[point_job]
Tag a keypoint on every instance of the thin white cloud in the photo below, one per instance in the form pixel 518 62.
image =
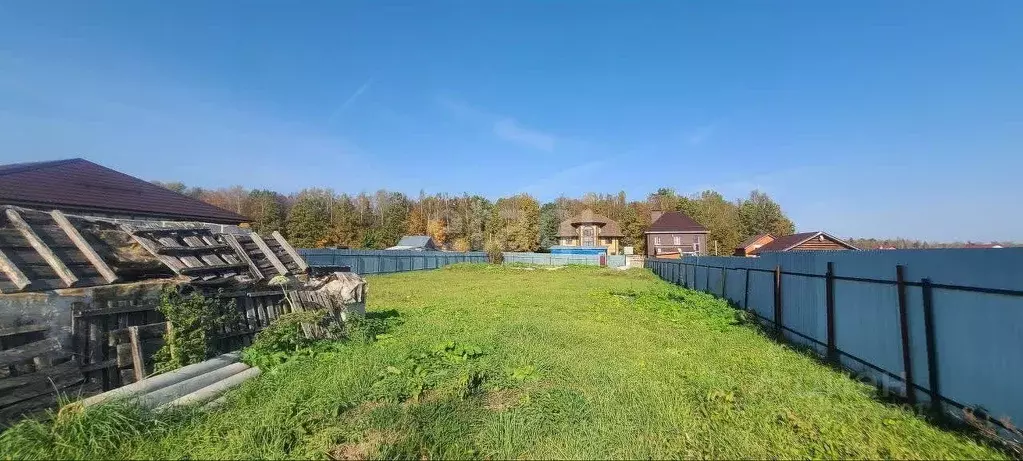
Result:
pixel 577 176
pixel 510 130
pixel 503 127
pixel 351 99
pixel 701 134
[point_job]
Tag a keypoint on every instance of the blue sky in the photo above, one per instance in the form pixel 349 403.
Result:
pixel 866 118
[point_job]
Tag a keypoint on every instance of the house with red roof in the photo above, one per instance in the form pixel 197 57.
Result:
pixel 805 241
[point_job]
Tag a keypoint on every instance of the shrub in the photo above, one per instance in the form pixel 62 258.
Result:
pixel 461 244
pixel 494 249
pixel 194 321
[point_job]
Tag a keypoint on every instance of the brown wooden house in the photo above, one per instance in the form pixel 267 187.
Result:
pixel 752 244
pixel 806 241
pixel 673 233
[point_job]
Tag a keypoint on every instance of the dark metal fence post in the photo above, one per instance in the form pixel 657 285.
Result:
pixel 777 302
pixel 706 279
pixel 907 356
pixel 724 283
pixel 932 352
pixel 829 289
pixel 745 296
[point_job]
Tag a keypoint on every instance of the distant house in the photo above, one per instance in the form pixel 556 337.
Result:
pixel 806 241
pixel 81 187
pixel 982 245
pixel 590 230
pixel 753 243
pixel 415 243
pixel 673 233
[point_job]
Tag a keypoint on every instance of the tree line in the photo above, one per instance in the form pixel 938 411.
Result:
pixel 315 217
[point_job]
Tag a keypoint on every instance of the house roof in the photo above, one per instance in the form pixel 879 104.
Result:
pixel 675 221
pixel 80 185
pixel 787 242
pixel 608 227
pixel 415 241
pixel 750 241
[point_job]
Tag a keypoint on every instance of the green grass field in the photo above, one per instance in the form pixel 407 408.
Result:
pixel 513 362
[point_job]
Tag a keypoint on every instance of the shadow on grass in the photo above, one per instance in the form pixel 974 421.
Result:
pixel 975 423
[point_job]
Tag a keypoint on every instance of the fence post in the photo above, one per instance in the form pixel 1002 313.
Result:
pixel 706 279
pixel 829 290
pixel 724 283
pixel 777 302
pixel 907 356
pixel 932 351
pixel 745 296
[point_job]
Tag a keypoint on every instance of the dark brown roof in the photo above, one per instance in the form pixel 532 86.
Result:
pixel 608 227
pixel 77 185
pixel 786 242
pixel 674 221
pixel 752 240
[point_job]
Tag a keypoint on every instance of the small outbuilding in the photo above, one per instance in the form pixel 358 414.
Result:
pixel 415 243
pixel 752 244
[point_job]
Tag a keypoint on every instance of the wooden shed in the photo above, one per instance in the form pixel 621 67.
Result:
pixel 78 309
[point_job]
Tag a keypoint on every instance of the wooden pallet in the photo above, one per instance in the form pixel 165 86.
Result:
pixel 43 251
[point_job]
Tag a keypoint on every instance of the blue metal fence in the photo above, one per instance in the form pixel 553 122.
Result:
pixel 947 322
pixel 561 259
pixel 387 261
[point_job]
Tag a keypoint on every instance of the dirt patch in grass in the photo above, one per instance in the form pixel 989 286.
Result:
pixel 367 448
pixel 502 400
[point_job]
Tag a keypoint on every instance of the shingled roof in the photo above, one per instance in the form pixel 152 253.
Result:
pixel 787 242
pixel 674 221
pixel 79 185
pixel 608 227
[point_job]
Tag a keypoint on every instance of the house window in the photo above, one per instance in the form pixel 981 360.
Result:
pixel 696 245
pixel 657 240
pixel 678 240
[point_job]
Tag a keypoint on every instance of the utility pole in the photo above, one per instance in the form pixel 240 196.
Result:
pixel 715 248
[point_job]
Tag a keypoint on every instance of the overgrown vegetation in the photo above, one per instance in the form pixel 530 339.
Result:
pixel 194 321
pixel 496 362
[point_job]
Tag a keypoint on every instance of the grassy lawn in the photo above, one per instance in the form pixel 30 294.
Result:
pixel 506 362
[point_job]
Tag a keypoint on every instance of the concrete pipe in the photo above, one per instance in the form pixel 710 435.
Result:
pixel 163 380
pixel 214 390
pixel 161 396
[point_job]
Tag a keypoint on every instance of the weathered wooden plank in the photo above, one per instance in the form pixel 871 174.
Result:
pixel 84 246
pixel 22 329
pixel 13 272
pixel 169 250
pixel 52 235
pixel 269 254
pixel 173 263
pixel 188 260
pixel 171 230
pixel 61 371
pixel 290 251
pixel 243 256
pixel 152 330
pixel 99 365
pixel 138 364
pixel 58 266
pixel 28 351
pixel 216 268
pixel 117 310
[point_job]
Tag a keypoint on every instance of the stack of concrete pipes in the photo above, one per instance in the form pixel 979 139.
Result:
pixel 203 382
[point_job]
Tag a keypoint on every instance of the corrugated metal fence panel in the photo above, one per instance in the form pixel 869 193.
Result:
pixel 387 261
pixel 548 259
pixel 616 260
pixel 977 334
